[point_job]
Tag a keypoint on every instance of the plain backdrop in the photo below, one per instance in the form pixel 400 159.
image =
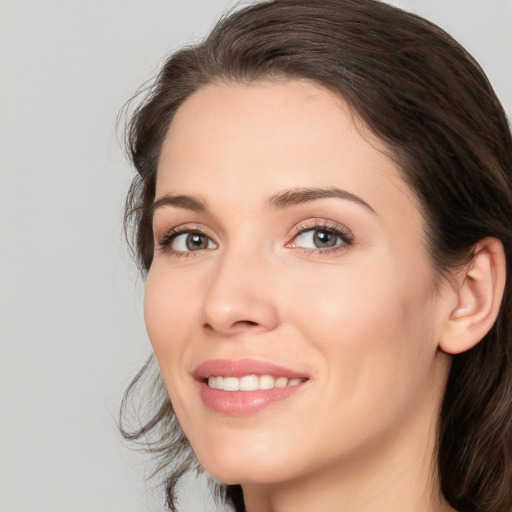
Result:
pixel 71 325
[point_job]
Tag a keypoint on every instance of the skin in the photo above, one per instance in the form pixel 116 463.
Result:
pixel 363 320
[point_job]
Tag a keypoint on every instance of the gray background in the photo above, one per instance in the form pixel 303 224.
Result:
pixel 71 322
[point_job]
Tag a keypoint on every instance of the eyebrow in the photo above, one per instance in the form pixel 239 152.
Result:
pixel 180 201
pixel 295 196
pixel 283 199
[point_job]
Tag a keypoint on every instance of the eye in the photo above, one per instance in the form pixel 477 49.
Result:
pixel 184 241
pixel 316 238
pixel 191 241
pixel 321 238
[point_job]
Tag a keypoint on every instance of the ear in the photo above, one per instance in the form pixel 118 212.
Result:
pixel 478 295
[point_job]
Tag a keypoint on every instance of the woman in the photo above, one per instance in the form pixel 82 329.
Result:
pixel 322 209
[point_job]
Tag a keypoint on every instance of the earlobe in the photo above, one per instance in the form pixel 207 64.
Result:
pixel 479 292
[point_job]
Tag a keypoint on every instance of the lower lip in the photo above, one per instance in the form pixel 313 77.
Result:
pixel 243 403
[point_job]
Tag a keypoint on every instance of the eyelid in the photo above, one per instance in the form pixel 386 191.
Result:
pixel 320 224
pixel 164 240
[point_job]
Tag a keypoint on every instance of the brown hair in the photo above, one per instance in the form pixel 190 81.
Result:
pixel 426 98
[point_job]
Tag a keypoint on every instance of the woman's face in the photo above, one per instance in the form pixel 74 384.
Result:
pixel 290 261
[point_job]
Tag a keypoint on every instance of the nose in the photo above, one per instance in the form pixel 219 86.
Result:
pixel 240 297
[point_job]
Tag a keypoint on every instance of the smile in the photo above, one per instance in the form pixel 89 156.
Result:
pixel 251 382
pixel 246 386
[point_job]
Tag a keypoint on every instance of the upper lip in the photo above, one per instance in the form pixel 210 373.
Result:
pixel 241 367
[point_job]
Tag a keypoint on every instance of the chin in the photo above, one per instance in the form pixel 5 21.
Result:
pixel 250 464
pixel 247 474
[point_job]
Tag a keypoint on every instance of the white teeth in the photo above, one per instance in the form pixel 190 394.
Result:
pixel 267 382
pixel 282 382
pixel 231 384
pixel 251 382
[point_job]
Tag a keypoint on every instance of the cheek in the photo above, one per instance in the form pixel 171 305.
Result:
pixel 168 310
pixel 156 310
pixel 372 326
pixel 371 337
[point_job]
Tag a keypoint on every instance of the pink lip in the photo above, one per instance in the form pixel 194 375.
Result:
pixel 241 367
pixel 242 403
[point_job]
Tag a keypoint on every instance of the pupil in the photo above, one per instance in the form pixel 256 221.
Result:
pixel 324 239
pixel 196 241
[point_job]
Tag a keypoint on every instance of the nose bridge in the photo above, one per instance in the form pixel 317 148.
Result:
pixel 238 297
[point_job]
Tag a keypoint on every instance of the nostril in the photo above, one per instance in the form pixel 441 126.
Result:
pixel 208 327
pixel 245 323
pixel 238 326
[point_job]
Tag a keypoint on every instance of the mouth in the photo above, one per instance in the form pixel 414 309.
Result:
pixel 244 387
pixel 251 382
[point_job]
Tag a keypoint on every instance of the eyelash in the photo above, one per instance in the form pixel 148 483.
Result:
pixel 166 240
pixel 344 234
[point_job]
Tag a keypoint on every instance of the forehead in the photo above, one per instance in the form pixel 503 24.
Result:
pixel 234 140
